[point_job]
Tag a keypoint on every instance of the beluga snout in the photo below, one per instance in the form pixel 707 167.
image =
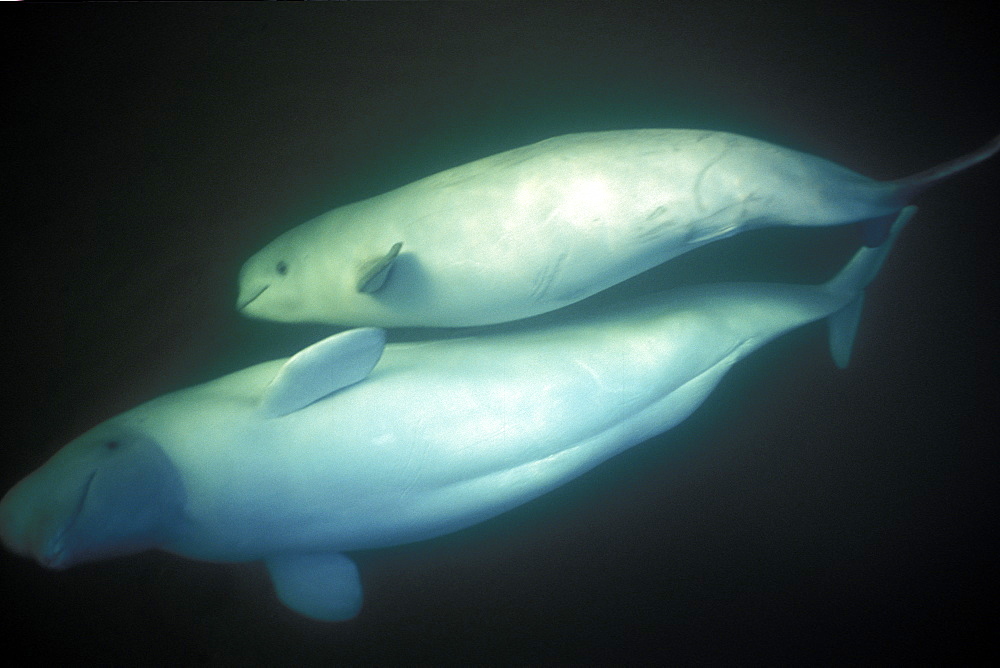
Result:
pixel 98 497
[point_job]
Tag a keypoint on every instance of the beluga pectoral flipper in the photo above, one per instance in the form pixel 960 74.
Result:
pixel 539 227
pixel 373 274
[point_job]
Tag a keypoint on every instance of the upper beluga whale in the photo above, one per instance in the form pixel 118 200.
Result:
pixel 539 227
pixel 354 444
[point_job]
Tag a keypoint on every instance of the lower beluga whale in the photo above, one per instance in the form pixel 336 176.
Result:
pixel 354 444
pixel 539 227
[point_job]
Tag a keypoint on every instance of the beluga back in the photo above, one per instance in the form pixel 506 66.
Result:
pixel 540 227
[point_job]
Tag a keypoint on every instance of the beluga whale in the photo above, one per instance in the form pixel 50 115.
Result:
pixel 540 227
pixel 355 444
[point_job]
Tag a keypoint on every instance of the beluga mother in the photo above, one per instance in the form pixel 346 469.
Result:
pixel 540 227
pixel 353 444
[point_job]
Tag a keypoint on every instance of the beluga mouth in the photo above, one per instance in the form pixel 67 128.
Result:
pixel 242 305
pixel 54 554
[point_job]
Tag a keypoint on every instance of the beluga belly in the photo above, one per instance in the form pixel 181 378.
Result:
pixel 539 227
pixel 354 444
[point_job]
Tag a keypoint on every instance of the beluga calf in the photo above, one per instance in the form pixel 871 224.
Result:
pixel 353 444
pixel 539 227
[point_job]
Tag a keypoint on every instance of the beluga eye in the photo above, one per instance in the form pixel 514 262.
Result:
pixel 281 267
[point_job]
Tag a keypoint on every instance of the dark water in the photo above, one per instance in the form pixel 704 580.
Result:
pixel 802 515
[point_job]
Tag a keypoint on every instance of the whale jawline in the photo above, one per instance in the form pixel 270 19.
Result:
pixel 240 307
pixel 54 555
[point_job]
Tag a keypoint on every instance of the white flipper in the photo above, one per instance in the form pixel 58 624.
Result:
pixel 374 273
pixel 324 367
pixel 324 586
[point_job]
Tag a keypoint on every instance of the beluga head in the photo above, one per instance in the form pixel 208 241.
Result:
pixel 273 283
pixel 111 492
pixel 300 277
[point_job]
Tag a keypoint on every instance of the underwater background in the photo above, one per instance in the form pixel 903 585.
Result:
pixel 801 515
